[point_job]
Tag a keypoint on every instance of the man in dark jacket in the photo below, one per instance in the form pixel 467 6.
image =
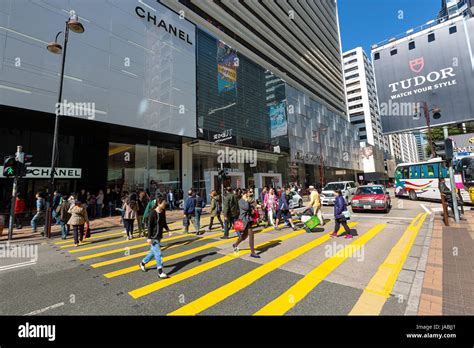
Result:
pixel 340 207
pixel 156 225
pixel 64 216
pixel 230 210
pixel 284 209
pixel 189 211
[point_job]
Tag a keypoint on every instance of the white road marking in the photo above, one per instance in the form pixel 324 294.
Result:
pixel 17 265
pixel 388 217
pixel 46 309
pixel 426 209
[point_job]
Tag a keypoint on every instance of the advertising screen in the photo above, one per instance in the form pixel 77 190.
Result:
pixel 435 67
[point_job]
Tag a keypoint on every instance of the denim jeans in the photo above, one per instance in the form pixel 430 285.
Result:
pixel 55 215
pixel 197 218
pixel 111 208
pixel 98 212
pixel 155 252
pixel 64 229
pixel 34 220
pixel 227 223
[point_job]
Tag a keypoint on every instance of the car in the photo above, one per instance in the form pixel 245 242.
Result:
pixel 296 201
pixel 371 197
pixel 328 194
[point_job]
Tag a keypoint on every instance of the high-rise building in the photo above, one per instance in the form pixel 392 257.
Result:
pixel 361 97
pixel 420 146
pixel 451 8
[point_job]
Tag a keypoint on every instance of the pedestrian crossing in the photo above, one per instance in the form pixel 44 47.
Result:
pixel 118 261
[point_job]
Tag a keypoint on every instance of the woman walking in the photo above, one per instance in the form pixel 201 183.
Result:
pixel 270 204
pixel 246 217
pixel 78 218
pixel 130 210
pixel 339 207
pixel 216 208
pixel 156 225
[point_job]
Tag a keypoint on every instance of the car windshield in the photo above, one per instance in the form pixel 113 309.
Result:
pixel 369 191
pixel 334 187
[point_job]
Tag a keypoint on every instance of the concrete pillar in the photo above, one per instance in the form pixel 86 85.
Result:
pixel 187 167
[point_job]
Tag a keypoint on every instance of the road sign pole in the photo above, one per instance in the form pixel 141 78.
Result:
pixel 452 183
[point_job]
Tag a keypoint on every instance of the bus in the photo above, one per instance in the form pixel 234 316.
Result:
pixel 420 180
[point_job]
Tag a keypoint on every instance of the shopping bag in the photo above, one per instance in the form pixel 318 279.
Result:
pixel 87 233
pixel 305 218
pixel 312 222
pixel 239 225
pixel 346 214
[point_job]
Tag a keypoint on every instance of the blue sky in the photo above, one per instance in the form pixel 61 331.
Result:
pixel 365 22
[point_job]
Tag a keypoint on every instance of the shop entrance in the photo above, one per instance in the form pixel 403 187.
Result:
pixel 235 180
pixel 267 179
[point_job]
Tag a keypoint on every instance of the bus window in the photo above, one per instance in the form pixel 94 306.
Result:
pixel 414 172
pixel 443 171
pixel 432 170
pixel 405 172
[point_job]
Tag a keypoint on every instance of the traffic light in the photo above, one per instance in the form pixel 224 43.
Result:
pixel 222 175
pixel 444 149
pixel 9 167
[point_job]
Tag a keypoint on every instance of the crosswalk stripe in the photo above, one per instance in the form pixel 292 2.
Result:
pixel 176 256
pixel 304 286
pixel 93 237
pixel 133 256
pixel 380 286
pixel 71 243
pixel 126 241
pixel 153 287
pixel 240 283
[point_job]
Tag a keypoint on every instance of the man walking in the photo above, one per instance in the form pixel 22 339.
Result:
pixel 189 211
pixel 170 199
pixel 315 204
pixel 284 209
pixel 40 212
pixel 230 210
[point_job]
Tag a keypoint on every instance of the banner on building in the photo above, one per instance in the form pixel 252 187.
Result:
pixel 435 67
pixel 227 64
pixel 278 121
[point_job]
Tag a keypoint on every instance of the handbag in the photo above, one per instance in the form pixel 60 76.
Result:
pixel 87 234
pixel 239 225
pixel 185 222
pixel 346 214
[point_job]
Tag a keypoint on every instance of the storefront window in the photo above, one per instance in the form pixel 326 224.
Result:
pixel 143 167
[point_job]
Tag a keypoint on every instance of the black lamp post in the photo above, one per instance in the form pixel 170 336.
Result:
pixel 54 47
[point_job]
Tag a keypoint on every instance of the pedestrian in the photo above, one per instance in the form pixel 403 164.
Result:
pixel 20 208
pixel 99 204
pixel 284 209
pixel 200 204
pixel 56 201
pixel 142 204
pixel 315 204
pixel 130 210
pixel 270 204
pixel 245 209
pixel 156 225
pixel 339 207
pixel 40 212
pixel 230 211
pixel 261 200
pixel 109 201
pixel 77 220
pixel 189 212
pixel 82 197
pixel 91 205
pixel 216 208
pixel 170 199
pixel 64 216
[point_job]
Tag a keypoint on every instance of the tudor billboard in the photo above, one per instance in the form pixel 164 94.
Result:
pixel 435 67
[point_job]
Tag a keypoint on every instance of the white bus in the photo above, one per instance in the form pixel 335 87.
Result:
pixel 420 180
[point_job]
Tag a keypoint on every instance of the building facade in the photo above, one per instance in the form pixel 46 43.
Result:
pixel 168 97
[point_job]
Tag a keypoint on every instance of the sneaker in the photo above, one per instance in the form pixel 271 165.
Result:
pixel 162 274
pixel 349 236
pixel 294 228
pixel 76 244
pixel 142 267
pixel 255 256
pixel 225 237
pixel 236 249
pixel 334 234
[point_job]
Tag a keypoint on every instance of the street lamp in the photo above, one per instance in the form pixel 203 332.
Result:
pixel 436 115
pixel 74 25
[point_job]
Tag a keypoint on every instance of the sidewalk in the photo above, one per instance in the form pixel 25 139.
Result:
pixel 97 226
pixel 448 286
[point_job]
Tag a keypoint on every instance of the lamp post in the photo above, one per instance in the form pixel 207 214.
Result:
pixel 436 115
pixel 54 47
